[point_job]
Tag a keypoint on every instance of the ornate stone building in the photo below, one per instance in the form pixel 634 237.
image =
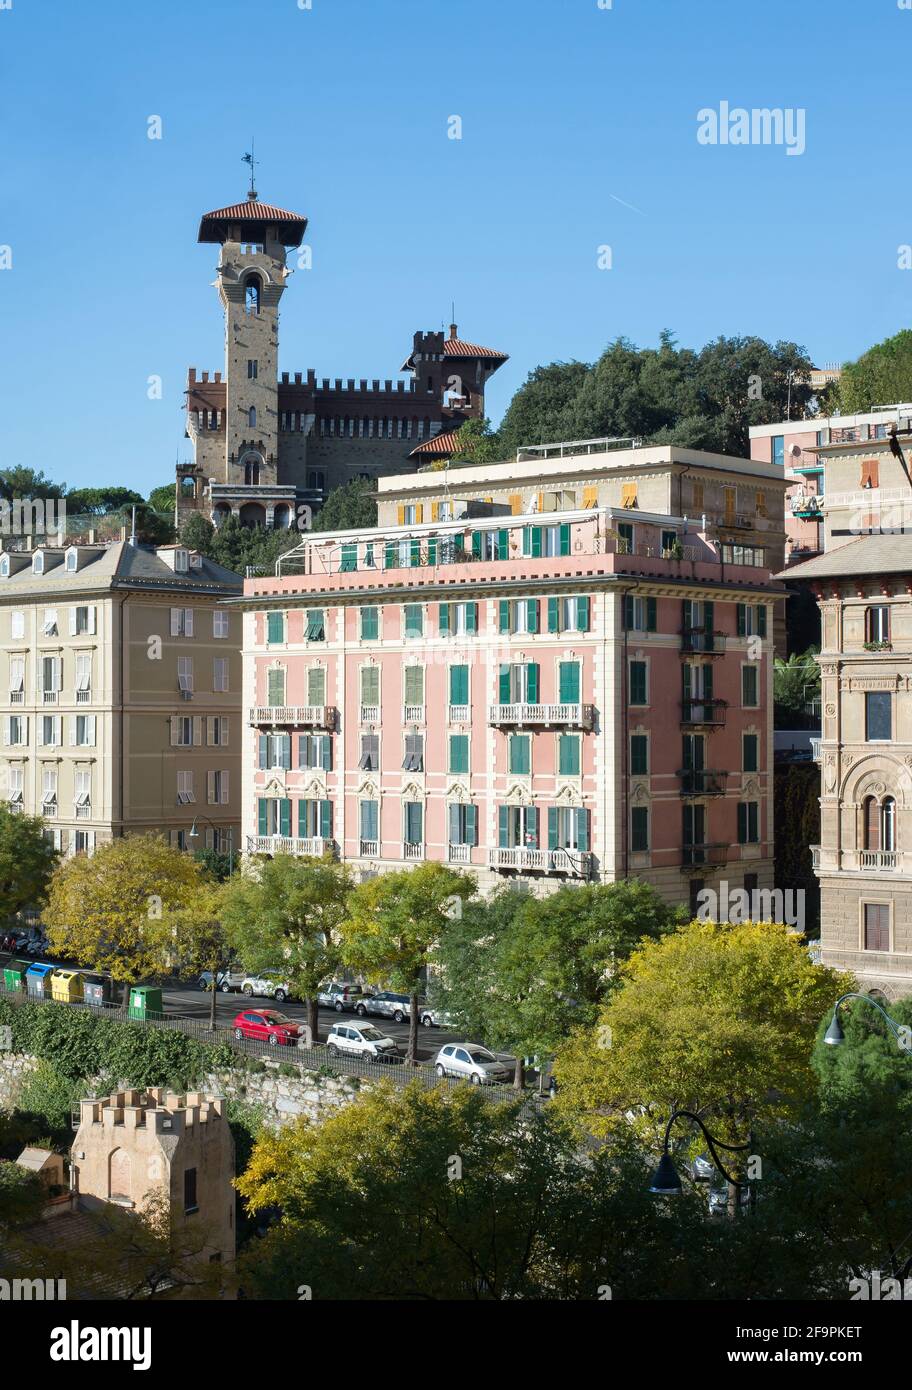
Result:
pixel 264 444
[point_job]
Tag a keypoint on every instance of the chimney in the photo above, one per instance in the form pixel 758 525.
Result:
pixel 454 332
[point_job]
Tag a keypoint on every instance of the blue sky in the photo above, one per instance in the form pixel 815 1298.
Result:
pixel 569 112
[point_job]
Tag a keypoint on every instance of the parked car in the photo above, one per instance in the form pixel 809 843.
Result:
pixel 339 995
pixel 472 1062
pixel 385 1004
pixel 429 1017
pixel 362 1040
pixel 226 981
pixel 268 984
pixel 265 1025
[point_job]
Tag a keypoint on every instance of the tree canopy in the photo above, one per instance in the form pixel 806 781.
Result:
pixel 27 861
pixel 348 507
pixel 880 376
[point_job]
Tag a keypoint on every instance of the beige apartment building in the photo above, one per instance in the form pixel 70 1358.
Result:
pixel 864 860
pixel 120 688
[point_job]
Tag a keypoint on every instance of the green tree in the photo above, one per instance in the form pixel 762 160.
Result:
pixel 22 1195
pixel 161 499
pixel 880 376
pixel 477 443
pixel 796 685
pixel 348 507
pixel 27 861
pixel 539 412
pixel 198 533
pixel 287 912
pixel 714 1018
pixel 19 482
pixel 395 924
pixel 193 934
pixel 99 501
pixel 235 546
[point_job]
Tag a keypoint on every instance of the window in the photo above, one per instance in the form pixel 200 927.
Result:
pixel 519 615
pixel 16 785
pixel 491 545
pixel 217 788
pixel 568 682
pixel 639 755
pixel 414 620
pixel 457 619
pixel 625 538
pixel 568 614
pixel 778 447
pixel 568 755
pixel 315 628
pixel 878 716
pixel 49 623
pixel 459 686
pixel 750 555
pixel 51 672
pixel 49 787
pixel 568 828
pixel 185 673
pixel 251 473
pixel 413 686
pixel 519 684
pixel 749 753
pixel 274 751
pixel 370 759
pixel 520 754
pixel 16 729
pixel 190 1202
pixel 870 474
pixel 348 558
pixel 251 418
pixel 252 294
pixel 459 753
pixel 370 687
pixel 369 821
pixel 463 827
pixel 17 624
pixel 185 795
pixel 275 686
pixel 639 828
pixel 315 752
pixel 316 686
pixel 639 613
pixel 413 822
pixel 82 731
pixel 183 731
pixel 539 541
pixel 517 827
pixel 413 758
pixel 669 540
pixel 38 562
pixel 876 926
pixel 750 687
pixel 252 368
pixel 370 624
pixel 275 628
pixel 751 619
pixel 217 731
pixel 888 824
pixel 273 816
pixel 638 683
pixel 748 822
pixel 181 622
pixel 51 730
pixel 219 623
pixel 82 621
pixel 220 673
pixel 17 675
pixel 877 624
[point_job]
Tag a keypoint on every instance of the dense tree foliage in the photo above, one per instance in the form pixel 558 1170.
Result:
pixel 880 376
pixel 27 861
pixel 236 546
pixel 348 507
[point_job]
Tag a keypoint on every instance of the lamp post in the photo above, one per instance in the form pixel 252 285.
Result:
pixel 194 835
pixel 834 1035
pixel 666 1181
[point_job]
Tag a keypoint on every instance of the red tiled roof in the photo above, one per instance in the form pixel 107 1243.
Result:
pixel 252 210
pixel 441 446
pixel 455 347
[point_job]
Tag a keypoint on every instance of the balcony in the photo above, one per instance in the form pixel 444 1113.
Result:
pixel 696 857
pixel 306 716
pixel 878 860
pixel 459 854
pixel 858 861
pixel 313 846
pixel 411 850
pixel 698 640
pixel 702 782
pixel 568 716
pixel 370 714
pixel 460 714
pixel 49 697
pixel 573 862
pixel 413 714
pixel 83 697
pixel 17 697
pixel 369 849
pixel 703 713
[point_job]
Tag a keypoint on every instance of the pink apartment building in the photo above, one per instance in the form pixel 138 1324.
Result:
pixel 541 670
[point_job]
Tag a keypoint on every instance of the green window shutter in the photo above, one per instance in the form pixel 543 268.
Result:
pixel 536 542
pixel 454 825
pixel 284 816
pixel 504 685
pixel 370 624
pixel 639 828
pixel 519 754
pixel 742 822
pixel 742 619
pixel 650 614
pixel 459 753
pixel 275 627
pixel 582 830
pixel 471 825
pixel 391 556
pixel 532 687
pixel 443 619
pixel 262 817
pixel 532 610
pixel 326 820
pixel 504 611
pixel 415 553
pixel 761 620
pixel 638 682
pixel 565 538
pixel 554 615
pixel 709 615
pixel 750 753
pixel 639 755
pixel 569 683
pixel 349 559
pixel 370 685
pixel 262 760
pixel 628 611
pixel 687 680
pixel 414 685
pixel 459 685
pixel 527 540
pixel 471 617
pixel 503 826
pixel 275 686
pixel 552 827
pixel 503 544
pixel 582 613
pixel 414 620
pixel 477 551
pixel 316 625
pixel 432 550
pixel 326 752
pixel 707 681
pixel 285 751
pixel 532 826
pixel 368 816
pixel 568 758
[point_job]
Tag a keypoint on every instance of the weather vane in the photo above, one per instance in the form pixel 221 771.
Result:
pixel 253 162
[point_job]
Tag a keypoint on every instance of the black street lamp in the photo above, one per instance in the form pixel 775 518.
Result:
pixel 666 1181
pixel 194 834
pixel 834 1035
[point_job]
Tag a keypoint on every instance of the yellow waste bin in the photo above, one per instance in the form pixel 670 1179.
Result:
pixel 66 986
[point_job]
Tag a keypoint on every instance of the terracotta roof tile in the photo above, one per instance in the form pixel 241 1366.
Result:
pixel 440 446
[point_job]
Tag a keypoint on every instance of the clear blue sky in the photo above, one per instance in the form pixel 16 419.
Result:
pixel 567 109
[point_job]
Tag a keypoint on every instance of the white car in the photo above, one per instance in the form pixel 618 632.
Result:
pixel 429 1017
pixel 269 984
pixel 361 1040
pixel 473 1063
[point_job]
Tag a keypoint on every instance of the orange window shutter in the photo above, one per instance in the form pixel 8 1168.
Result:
pixel 435 511
pixel 590 497
pixel 729 502
pixel 400 514
pixel 629 495
pixel 541 501
pixel 515 503
pixel 698 496
pixel 419 512
pixel 761 504
pixel 869 473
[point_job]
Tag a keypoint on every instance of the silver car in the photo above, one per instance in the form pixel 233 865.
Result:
pixel 268 984
pixel 339 995
pixel 473 1063
pixel 429 1017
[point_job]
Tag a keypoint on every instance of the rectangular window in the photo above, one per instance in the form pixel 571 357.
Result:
pixel 370 686
pixel 639 613
pixel 370 624
pixel 568 828
pixel 413 759
pixel 369 760
pixel 315 625
pixel 275 628
pixel 369 821
pixel 181 622
pixel 569 683
pixel 17 676
pixel 876 927
pixel 316 686
pixel 625 538
pixel 749 753
pixel 252 368
pixel 638 683
pixel 750 687
pixel 220 673
pixel 748 822
pixel 878 716
pixel 348 560
pixel 751 619
pixel 413 685
pixel 778 443
pixel 519 615
pixel 568 614
pixel 17 624
pixel 82 621
pixel 185 793
pixel 51 730
pixel 49 624
pixel 459 686
pixel 82 731
pixel 639 755
pixel 568 755
pixel 877 624
pixel 314 819
pixel 457 619
pixel 463 827
pixel 519 684
pixel 413 822
pixel 517 827
pixel 459 753
pixel 217 788
pixel 315 752
pixel 639 828
pixel 521 754
pixel 414 620
pixel 217 731
pixel 190 1202
pixel 275 686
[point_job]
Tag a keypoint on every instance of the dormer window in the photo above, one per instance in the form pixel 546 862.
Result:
pixel 38 562
pixel 181 561
pixel 4 566
pixel 72 561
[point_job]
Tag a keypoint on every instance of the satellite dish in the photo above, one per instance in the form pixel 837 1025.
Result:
pixel 795 451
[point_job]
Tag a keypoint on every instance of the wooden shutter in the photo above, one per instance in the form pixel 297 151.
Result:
pixel 515 500
pixel 870 473
pixel 629 495
pixel 871 823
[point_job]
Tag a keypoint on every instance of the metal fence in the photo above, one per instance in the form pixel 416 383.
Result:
pixel 317 1058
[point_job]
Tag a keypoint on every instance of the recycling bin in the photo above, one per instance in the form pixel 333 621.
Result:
pixel 145 1002
pixel 14 975
pixel 38 980
pixel 96 990
pixel 66 986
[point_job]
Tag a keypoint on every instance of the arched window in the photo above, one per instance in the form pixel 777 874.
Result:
pixel 252 294
pixel 251 473
pixel 251 417
pixel 871 823
pixel 888 824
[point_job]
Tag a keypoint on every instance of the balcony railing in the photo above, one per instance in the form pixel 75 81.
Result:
pixel 699 640
pixel 17 697
pixel 880 860
pixel 702 782
pixel 460 854
pixel 576 863
pixel 704 712
pixel 858 861
pixel 460 714
pixel 815 749
pixel 49 697
pixel 369 849
pixel 83 697
pixel 412 851
pixel 704 856
pixel 413 714
pixel 84 812
pixel 313 846
pixel 573 716
pixel 313 716
pixel 370 714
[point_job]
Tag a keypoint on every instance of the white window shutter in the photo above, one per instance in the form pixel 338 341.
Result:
pixel 210 729
pixel 188 621
pixel 175 621
pixel 6 730
pixel 91 618
pixel 210 787
pixel 197 729
pixel 174 727
pixel 90 730
pixel 72 622
pixel 223 738
pixel 224 788
pixel 73 719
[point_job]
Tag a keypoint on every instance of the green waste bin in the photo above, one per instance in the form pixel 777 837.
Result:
pixel 145 1002
pixel 14 975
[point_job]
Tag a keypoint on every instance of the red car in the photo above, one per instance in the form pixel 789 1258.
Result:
pixel 265 1025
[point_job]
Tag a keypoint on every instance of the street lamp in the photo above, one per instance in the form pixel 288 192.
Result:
pixel 194 835
pixel 834 1035
pixel 666 1181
